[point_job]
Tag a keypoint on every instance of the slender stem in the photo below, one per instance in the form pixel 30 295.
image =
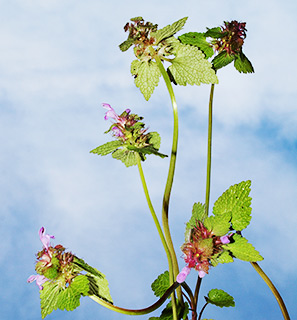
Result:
pixel 197 289
pixel 203 308
pixel 172 273
pixel 208 170
pixel 135 312
pixel 273 289
pixel 148 199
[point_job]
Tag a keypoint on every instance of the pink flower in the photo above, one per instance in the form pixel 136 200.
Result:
pixel 224 239
pixel 45 238
pixel 110 113
pixel 39 280
pixel 201 273
pixel 181 277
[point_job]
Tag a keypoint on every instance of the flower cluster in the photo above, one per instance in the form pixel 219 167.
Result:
pixel 140 34
pixel 232 38
pixel 201 246
pixel 127 127
pixel 53 263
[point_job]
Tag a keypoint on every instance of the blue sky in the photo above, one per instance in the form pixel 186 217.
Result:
pixel 59 61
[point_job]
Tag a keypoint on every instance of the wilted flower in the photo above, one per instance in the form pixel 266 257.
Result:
pixel 232 37
pixel 201 246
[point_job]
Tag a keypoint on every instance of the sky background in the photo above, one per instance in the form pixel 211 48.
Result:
pixel 59 61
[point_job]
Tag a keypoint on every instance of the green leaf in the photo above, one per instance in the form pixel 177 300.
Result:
pixel 220 298
pixel 161 284
pixel 243 250
pixel 169 30
pixel 124 46
pixel 198 214
pixel 243 64
pixel 146 150
pixel 126 156
pixel 98 284
pixel 221 257
pixel 222 60
pixel 219 225
pixel 190 67
pixel 167 312
pixel 198 40
pixel 147 76
pixel 236 201
pixel 54 297
pixel 107 148
pixel 213 33
pixel 155 140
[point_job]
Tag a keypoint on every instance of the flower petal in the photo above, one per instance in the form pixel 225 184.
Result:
pixel 45 238
pixel 181 277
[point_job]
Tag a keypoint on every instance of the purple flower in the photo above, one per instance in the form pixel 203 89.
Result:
pixel 224 239
pixel 117 132
pixel 181 277
pixel 45 238
pixel 39 280
pixel 110 113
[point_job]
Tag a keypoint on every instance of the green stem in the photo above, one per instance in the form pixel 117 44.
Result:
pixel 136 312
pixel 172 273
pixel 208 169
pixel 273 290
pixel 148 199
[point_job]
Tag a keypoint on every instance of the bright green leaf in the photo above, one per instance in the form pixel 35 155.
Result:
pixel 198 40
pixel 221 257
pixel 190 67
pixel 220 298
pixel 98 284
pixel 126 156
pixel 243 250
pixel 147 75
pixel 170 30
pixel 198 214
pixel 219 225
pixel 161 284
pixel 236 201
pixel 107 148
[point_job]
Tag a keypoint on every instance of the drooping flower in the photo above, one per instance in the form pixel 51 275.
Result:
pixel 45 238
pixel 40 280
pixel 200 247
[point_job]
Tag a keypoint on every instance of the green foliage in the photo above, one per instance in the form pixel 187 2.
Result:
pixel 189 65
pixel 198 214
pixel 222 60
pixel 124 46
pixel 198 40
pixel 220 298
pixel 169 30
pixel 147 75
pixel 54 297
pixel 98 284
pixel 107 148
pixel 161 284
pixel 243 64
pixel 213 33
pixel 243 250
pixel 128 157
pixel 235 201
pixel 219 225
pixel 221 257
